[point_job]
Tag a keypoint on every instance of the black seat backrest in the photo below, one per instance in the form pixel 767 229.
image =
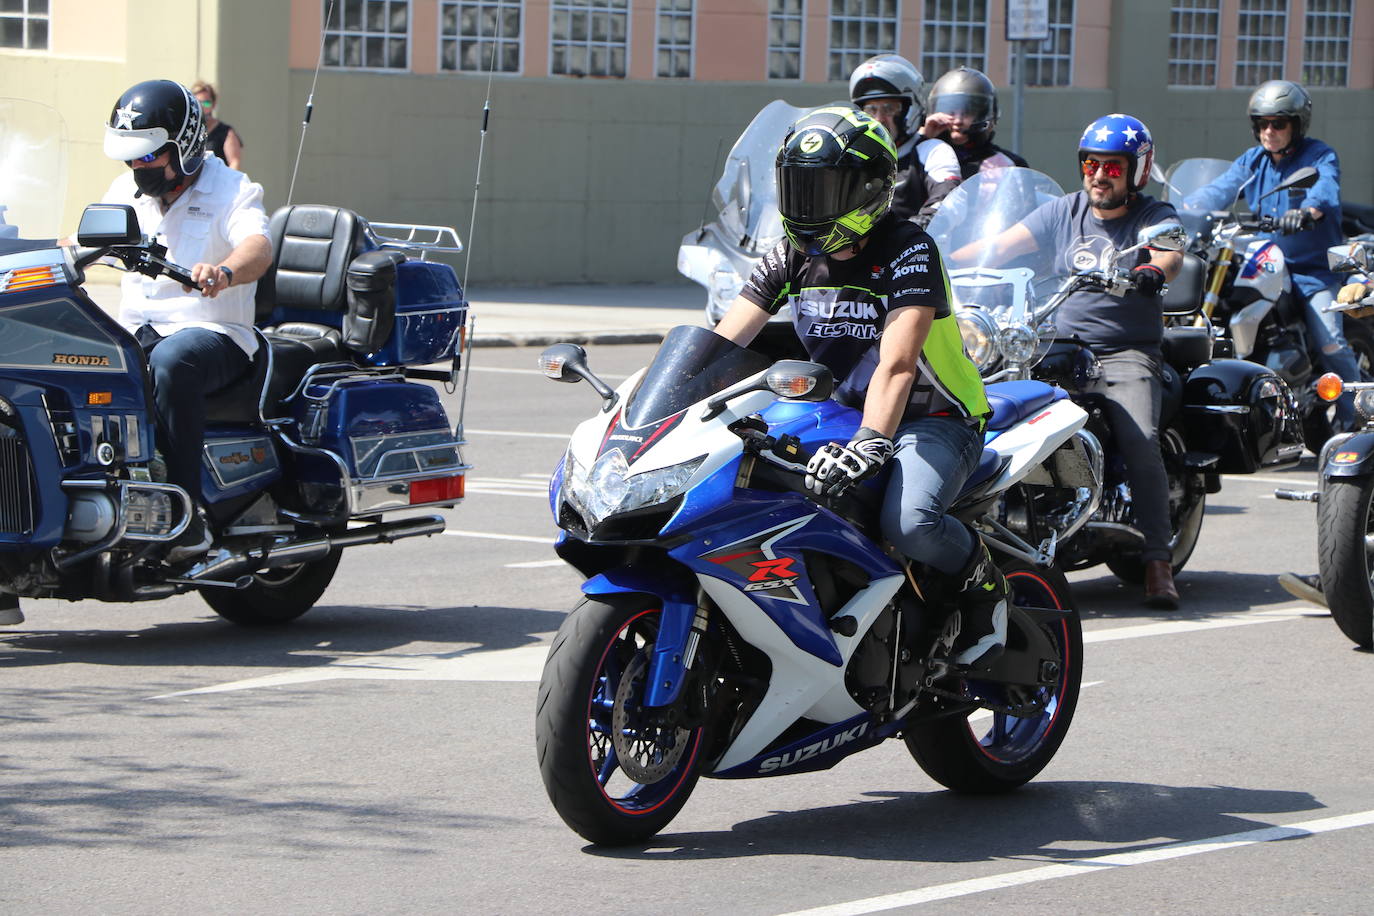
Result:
pixel 312 246
pixel 1185 290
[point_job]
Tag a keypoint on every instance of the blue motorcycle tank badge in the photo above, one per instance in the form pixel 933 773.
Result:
pixel 768 574
pixel 234 462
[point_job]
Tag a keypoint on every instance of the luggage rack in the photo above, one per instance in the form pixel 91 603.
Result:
pixel 417 237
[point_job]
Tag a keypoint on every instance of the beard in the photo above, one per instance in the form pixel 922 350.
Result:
pixel 1107 198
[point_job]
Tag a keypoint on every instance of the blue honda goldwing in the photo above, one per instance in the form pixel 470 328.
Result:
pixel 314 449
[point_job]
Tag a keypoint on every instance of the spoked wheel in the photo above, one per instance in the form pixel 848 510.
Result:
pixel 1345 555
pixel 989 752
pixel 615 772
pixel 275 596
pixel 1187 506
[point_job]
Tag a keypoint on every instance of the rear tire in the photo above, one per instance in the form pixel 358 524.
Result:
pixel 960 754
pixel 589 702
pixel 276 596
pixel 1344 523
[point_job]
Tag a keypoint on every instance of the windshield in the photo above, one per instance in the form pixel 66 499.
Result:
pixel 33 172
pixel 692 364
pixel 1186 178
pixel 747 193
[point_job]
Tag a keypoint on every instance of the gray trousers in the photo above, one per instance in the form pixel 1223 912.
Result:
pixel 1132 385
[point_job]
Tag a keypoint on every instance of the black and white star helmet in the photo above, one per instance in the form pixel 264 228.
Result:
pixel 154 114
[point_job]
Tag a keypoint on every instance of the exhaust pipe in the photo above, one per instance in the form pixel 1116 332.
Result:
pixel 230 565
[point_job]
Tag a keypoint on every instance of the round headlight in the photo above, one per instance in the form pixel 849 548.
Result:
pixel 1017 343
pixel 980 335
pixel 1364 402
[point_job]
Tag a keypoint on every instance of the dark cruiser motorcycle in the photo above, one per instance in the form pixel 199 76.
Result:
pixel 312 451
pixel 1220 416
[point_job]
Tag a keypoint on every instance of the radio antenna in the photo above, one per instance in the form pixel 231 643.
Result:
pixel 310 101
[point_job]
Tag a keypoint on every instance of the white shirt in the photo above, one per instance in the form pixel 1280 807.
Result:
pixel 208 221
pixel 938 158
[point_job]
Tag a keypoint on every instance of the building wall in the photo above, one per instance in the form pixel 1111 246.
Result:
pixel 590 179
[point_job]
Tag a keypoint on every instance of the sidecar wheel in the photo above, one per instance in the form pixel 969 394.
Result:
pixel 588 714
pixel 1344 526
pixel 970 754
pixel 276 596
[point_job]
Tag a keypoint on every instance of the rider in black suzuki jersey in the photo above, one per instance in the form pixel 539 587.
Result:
pixel 870 300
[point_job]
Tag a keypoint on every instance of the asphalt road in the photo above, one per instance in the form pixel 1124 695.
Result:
pixel 378 755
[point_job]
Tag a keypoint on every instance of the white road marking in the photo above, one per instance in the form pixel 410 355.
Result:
pixel 536 564
pixel 1089 866
pixel 453 532
pixel 1165 628
pixel 512 432
pixel 1291 482
pixel 497 491
pixel 513 371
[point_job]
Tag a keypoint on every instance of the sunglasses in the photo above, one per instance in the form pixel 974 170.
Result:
pixel 878 108
pixel 1110 169
pixel 148 158
pixel 1275 123
pixel 207 104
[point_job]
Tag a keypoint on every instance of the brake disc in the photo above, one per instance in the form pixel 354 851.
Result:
pixel 647 753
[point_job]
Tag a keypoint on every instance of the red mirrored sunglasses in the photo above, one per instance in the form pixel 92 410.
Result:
pixel 1110 169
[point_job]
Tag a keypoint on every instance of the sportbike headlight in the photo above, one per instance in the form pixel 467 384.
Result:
pixel 980 336
pixel 610 489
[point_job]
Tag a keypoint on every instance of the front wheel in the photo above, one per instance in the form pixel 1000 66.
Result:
pixel 275 596
pixel 990 752
pixel 615 772
pixel 1345 525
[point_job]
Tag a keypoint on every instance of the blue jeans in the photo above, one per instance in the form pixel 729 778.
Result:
pixel 186 366
pixel 934 458
pixel 1329 336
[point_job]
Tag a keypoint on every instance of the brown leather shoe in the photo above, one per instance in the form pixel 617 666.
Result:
pixel 1160 591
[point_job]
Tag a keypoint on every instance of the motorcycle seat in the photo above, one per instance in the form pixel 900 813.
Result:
pixel 1012 402
pixel 1186 348
pixel 278 367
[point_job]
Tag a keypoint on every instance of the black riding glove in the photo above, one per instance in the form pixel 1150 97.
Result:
pixel 1295 220
pixel 1148 279
pixel 835 468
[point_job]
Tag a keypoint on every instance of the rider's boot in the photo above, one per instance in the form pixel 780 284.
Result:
pixel 1160 591
pixel 983 601
pixel 9 610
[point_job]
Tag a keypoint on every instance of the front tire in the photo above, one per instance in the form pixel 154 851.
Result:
pixel 613 774
pixel 968 756
pixel 1344 523
pixel 276 596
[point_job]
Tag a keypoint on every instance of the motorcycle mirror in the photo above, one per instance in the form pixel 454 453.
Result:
pixel 567 362
pixel 1163 237
pixel 107 225
pixel 800 380
pixel 1304 177
pixel 1348 258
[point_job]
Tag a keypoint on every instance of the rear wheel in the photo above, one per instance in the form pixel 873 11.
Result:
pixel 1345 526
pixel 275 596
pixel 988 752
pixel 614 772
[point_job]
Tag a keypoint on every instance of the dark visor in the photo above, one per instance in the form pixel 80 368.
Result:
pixel 976 107
pixel 814 193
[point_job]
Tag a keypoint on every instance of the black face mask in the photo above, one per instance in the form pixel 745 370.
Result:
pixel 154 182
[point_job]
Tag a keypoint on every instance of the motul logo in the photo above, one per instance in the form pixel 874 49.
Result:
pixel 792 758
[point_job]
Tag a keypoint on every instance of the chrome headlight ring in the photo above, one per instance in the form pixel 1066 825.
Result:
pixel 979 332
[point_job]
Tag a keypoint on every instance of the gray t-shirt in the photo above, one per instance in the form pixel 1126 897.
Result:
pixel 1080 241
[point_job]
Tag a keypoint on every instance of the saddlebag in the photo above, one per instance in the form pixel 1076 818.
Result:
pixel 391 442
pixel 402 312
pixel 1244 413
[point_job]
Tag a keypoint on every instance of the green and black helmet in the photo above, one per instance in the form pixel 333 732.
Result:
pixel 836 172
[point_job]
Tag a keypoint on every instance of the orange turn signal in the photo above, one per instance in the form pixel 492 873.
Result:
pixel 99 398
pixel 1329 386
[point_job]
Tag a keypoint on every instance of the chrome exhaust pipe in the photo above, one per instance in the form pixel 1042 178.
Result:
pixel 229 566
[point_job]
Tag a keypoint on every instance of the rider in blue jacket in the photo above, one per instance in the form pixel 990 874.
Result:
pixel 1309 220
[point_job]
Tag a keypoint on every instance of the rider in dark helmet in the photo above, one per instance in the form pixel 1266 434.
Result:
pixel 869 300
pixel 888 87
pixel 211 218
pixel 963 113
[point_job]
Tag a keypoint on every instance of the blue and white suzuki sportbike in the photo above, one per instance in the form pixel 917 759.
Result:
pixel 734 626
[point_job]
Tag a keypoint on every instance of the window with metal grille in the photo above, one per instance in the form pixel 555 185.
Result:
pixel 673 44
pixel 1261 41
pixel 858 30
pixel 24 24
pixel 785 39
pixel 472 31
pixel 1194 27
pixel 1326 43
pixel 954 33
pixel 368 35
pixel 1050 62
pixel 589 37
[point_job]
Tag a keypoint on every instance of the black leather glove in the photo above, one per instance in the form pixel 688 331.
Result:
pixel 1295 220
pixel 835 468
pixel 1148 279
